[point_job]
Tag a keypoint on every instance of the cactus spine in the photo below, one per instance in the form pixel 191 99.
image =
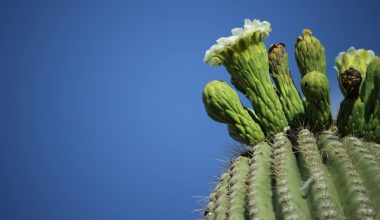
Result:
pixel 298 165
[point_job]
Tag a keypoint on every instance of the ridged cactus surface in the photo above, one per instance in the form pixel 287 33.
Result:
pixel 298 162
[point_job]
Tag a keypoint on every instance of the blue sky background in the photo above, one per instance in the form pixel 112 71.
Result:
pixel 101 114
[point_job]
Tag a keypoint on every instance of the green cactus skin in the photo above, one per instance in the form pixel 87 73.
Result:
pixel 259 183
pixel 248 179
pixel 316 89
pixel 325 178
pixel 368 167
pixel 250 75
pixel 348 182
pixel 322 196
pixel 238 188
pixel 350 118
pixel 310 54
pixel 368 87
pixel 370 93
pixel 219 204
pixel 287 92
pixel 211 205
pixel 374 150
pixel 371 100
pixel 325 174
pixel 292 205
pixel 223 105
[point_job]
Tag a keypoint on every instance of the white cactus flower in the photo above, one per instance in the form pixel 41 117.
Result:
pixel 227 41
pixel 352 52
pixel 237 31
pixel 371 54
pixel 256 25
pixel 250 26
pixel 211 55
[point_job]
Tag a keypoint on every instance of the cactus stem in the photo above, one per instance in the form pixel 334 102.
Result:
pixel 238 188
pixel 220 210
pixel 259 183
pixel 323 198
pixel 368 168
pixel 292 204
pixel 348 182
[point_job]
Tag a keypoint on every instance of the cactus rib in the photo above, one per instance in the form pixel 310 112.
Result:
pixel 288 180
pixel 323 196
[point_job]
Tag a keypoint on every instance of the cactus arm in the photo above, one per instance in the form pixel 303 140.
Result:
pixel 287 92
pixel 259 183
pixel 288 181
pixel 316 89
pixel 367 166
pixel 348 182
pixel 323 197
pixel 310 54
pixel 223 105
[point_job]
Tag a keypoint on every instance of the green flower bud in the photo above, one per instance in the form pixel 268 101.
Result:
pixel 223 105
pixel 287 92
pixel 310 54
pixel 316 89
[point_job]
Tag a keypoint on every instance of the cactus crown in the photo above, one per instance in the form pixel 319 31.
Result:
pixel 300 163
pixel 275 107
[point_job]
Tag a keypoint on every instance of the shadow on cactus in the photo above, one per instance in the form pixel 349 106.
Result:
pixel 300 163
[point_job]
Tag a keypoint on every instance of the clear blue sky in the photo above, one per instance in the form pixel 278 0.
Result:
pixel 101 114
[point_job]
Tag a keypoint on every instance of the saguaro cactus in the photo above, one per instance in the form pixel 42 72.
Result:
pixel 297 164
